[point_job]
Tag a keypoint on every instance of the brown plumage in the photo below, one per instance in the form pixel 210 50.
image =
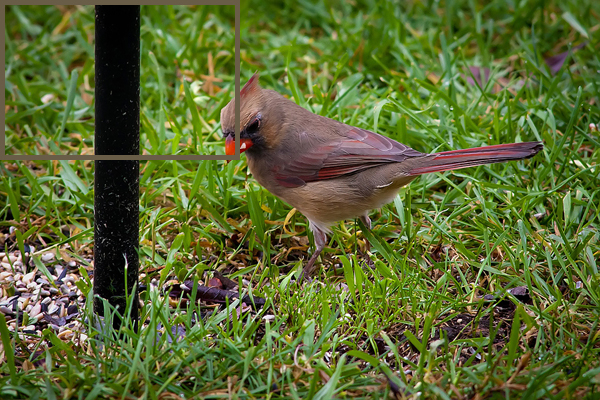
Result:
pixel 331 171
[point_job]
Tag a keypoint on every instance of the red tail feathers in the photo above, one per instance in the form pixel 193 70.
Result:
pixel 456 159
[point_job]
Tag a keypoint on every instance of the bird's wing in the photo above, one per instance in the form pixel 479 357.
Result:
pixel 352 151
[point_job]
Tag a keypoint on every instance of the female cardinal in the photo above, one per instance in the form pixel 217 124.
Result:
pixel 331 171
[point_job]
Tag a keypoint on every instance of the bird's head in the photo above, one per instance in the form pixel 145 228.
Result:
pixel 252 118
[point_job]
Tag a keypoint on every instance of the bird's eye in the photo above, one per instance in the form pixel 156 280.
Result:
pixel 254 125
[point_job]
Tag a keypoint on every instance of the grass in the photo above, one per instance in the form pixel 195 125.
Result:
pixel 50 77
pixel 484 283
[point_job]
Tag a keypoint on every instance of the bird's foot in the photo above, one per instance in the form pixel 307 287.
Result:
pixel 368 262
pixel 305 274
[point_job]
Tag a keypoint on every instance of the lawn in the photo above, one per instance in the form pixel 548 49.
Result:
pixel 483 282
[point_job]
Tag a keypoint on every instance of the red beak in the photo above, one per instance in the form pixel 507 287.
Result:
pixel 245 144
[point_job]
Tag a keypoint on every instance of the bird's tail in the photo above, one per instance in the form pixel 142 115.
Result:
pixel 456 159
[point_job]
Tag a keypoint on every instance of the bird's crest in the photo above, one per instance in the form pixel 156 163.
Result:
pixel 251 87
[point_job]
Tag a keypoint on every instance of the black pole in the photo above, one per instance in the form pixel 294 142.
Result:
pixel 116 196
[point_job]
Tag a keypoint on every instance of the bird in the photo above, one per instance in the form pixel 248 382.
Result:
pixel 331 171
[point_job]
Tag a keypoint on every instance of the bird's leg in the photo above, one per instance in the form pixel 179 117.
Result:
pixel 320 241
pixel 367 222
